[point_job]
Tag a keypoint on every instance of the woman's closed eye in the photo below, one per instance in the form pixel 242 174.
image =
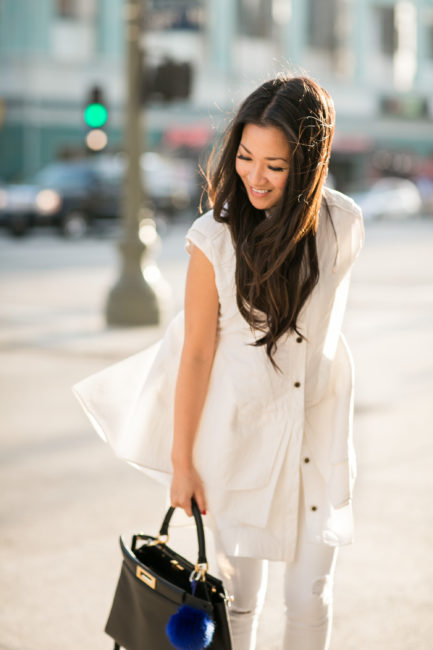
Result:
pixel 271 167
pixel 276 169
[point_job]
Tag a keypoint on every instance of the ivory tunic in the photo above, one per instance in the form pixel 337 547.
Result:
pixel 261 431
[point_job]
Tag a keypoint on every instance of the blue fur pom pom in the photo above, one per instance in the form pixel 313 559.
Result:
pixel 190 629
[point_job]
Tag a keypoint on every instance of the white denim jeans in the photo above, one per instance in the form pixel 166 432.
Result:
pixel 308 592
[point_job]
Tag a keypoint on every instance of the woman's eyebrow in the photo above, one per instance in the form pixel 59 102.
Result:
pixel 268 158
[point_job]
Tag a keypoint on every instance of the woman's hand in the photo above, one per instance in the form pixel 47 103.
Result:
pixel 186 483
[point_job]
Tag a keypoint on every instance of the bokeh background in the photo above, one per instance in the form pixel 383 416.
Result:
pixel 93 213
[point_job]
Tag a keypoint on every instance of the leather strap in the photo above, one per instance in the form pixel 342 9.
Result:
pixel 199 526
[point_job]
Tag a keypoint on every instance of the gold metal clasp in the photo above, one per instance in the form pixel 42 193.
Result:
pixel 199 573
pixel 161 539
pixel 176 565
pixel 146 577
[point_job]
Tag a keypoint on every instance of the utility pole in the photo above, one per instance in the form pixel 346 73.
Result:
pixel 132 301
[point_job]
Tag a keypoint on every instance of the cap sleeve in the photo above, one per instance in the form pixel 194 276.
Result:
pixel 196 238
pixel 203 233
pixel 348 228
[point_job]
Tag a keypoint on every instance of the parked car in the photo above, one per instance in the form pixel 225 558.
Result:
pixel 74 194
pixel 390 198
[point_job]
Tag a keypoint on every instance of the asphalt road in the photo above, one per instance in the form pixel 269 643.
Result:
pixel 65 499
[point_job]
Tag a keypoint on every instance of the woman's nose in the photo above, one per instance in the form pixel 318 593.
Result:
pixel 256 175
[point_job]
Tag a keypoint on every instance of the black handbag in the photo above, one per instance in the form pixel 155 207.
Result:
pixel 154 583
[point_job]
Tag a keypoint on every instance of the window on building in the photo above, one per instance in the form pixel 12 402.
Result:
pixel 76 9
pixel 75 23
pixel 175 14
pixel 321 24
pixel 387 33
pixel 255 18
pixel 66 8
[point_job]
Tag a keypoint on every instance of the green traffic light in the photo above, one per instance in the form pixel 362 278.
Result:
pixel 95 115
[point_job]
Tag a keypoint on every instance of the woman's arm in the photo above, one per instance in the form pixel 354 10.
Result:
pixel 201 318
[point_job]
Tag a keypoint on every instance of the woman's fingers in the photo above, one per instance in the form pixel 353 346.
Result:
pixel 201 501
pixel 185 504
pixel 188 508
pixel 185 486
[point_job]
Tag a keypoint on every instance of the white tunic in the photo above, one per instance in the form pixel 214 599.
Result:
pixel 260 430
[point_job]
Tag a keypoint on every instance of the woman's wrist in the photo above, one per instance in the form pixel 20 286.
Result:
pixel 182 462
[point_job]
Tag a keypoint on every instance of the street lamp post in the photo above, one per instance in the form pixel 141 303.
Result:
pixel 132 301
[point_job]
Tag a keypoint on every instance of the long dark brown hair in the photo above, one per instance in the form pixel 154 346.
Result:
pixel 276 258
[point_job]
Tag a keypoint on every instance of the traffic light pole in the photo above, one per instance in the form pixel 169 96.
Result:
pixel 132 301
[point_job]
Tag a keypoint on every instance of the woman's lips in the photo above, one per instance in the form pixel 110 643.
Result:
pixel 258 193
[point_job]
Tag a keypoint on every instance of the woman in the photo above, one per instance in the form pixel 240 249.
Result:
pixel 260 432
pixel 265 295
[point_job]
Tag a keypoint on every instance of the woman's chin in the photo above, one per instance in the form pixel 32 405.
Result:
pixel 261 203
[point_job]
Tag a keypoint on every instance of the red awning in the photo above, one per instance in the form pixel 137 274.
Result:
pixel 194 136
pixel 352 143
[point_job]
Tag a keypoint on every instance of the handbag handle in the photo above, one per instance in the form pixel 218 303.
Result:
pixel 199 526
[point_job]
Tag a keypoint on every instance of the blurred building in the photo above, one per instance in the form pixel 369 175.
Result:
pixel 375 57
pixel 51 54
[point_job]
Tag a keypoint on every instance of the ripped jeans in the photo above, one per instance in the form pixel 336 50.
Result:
pixel 308 591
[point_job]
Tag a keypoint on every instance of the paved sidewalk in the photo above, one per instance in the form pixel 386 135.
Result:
pixel 65 498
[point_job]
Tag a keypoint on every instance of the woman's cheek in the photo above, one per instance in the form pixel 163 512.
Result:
pixel 281 181
pixel 240 168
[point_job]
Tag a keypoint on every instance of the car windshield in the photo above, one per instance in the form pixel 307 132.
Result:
pixel 64 176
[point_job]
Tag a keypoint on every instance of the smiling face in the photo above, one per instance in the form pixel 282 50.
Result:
pixel 262 162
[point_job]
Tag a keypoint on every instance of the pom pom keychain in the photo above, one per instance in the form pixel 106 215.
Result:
pixel 190 628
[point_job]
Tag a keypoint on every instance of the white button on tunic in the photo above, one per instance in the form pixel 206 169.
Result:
pixel 257 425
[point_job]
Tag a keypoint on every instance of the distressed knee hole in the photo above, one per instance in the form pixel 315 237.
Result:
pixel 319 586
pixel 322 587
